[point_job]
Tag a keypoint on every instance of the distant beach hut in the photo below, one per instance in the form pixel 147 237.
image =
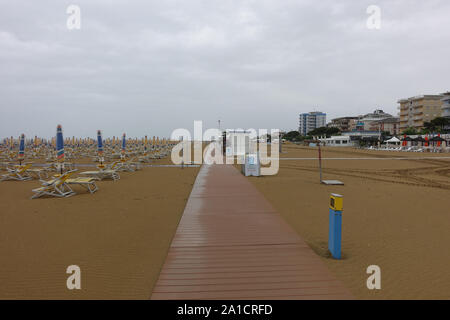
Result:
pixel 437 140
pixel 405 140
pixel 418 140
pixel 393 140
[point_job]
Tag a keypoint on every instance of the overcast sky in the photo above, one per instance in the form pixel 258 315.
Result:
pixel 148 67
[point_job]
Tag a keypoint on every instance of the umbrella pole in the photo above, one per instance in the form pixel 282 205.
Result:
pixel 320 163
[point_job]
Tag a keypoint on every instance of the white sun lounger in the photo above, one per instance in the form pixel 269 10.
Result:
pixel 102 174
pixel 86 182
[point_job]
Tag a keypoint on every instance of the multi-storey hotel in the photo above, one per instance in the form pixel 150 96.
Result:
pixel 446 105
pixel 311 121
pixel 415 111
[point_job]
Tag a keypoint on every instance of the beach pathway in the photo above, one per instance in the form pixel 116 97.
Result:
pixel 231 244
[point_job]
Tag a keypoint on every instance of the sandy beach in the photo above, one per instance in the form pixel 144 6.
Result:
pixel 396 215
pixel 119 236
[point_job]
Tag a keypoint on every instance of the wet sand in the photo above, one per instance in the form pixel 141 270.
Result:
pixel 396 215
pixel 119 236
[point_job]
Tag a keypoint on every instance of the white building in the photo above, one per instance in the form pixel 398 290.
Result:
pixel 446 105
pixel 337 141
pixel 311 121
pixel 237 142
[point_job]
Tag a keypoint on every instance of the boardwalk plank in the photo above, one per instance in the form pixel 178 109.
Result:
pixel 232 244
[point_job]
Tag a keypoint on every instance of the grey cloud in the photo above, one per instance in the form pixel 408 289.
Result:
pixel 147 67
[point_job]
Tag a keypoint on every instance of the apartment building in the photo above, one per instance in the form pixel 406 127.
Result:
pixel 446 105
pixel 343 123
pixel 391 125
pixel 310 121
pixel 415 111
pixel 371 121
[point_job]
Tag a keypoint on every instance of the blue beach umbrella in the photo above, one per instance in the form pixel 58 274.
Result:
pixel 59 145
pixel 21 148
pixel 99 143
pixel 100 146
pixel 124 144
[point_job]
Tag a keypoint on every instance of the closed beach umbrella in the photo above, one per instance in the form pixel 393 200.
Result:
pixel 145 145
pixel 426 141
pixel 99 143
pixel 59 144
pixel 21 148
pixel 100 147
pixel 124 144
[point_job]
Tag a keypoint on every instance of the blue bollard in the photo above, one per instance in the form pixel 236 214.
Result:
pixel 335 225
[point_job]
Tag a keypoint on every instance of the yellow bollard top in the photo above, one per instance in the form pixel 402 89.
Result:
pixel 336 202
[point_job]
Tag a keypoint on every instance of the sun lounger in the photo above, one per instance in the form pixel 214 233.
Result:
pixel 38 173
pixel 124 166
pixel 57 187
pixel 54 166
pixel 86 182
pixel 103 174
pixel 4 165
pixel 19 173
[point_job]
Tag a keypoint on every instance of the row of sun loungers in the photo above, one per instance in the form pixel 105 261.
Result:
pixel 60 186
pixel 412 149
pixel 23 173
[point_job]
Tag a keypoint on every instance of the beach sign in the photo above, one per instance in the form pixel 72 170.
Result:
pixel 335 225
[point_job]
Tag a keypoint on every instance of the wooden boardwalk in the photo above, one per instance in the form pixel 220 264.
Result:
pixel 231 244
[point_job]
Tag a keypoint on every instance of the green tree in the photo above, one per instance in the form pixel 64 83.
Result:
pixel 410 131
pixel 291 135
pixel 438 124
pixel 324 131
